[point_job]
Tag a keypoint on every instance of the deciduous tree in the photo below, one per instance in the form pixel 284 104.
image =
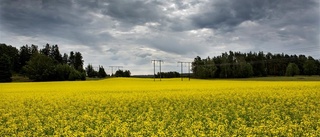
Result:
pixel 40 68
pixel 292 69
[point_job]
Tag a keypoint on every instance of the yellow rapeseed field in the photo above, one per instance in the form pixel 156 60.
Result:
pixel 142 107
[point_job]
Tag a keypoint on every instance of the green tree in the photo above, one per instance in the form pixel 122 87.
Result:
pixel 242 69
pixel 46 50
pixel 34 49
pixel 310 67
pixel 102 73
pixel 247 70
pixel 71 59
pixel 209 68
pixel 24 55
pixel 62 71
pixel 74 75
pixel 318 67
pixel 234 64
pixel 13 55
pixel 126 73
pixel 5 71
pixel 203 68
pixel 91 72
pixel 65 58
pixel 55 54
pixel 40 68
pixel 78 62
pixel 196 64
pixel 225 67
pixel 292 69
pixel 119 73
pixel 171 74
pixel 301 61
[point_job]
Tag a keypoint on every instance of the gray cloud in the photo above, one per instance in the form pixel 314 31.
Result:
pixel 132 11
pixel 175 45
pixel 230 13
pixel 56 18
pixel 37 15
pixel 133 32
pixel 143 55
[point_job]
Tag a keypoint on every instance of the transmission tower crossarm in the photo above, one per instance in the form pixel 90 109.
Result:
pixel 154 68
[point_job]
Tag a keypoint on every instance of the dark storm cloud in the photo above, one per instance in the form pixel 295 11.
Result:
pixel 36 15
pixel 227 14
pixel 131 30
pixel 48 18
pixel 125 11
pixel 132 11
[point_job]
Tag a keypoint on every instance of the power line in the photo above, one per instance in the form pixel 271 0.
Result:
pixel 160 61
pixel 118 68
pixel 154 68
pixel 182 69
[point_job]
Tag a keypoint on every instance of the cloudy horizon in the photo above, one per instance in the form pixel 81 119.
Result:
pixel 131 33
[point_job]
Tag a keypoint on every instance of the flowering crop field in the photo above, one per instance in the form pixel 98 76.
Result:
pixel 142 107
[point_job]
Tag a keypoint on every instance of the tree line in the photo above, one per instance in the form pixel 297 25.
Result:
pixel 170 74
pixel 101 72
pixel 46 64
pixel 252 64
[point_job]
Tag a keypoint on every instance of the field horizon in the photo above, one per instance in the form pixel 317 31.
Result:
pixel 17 78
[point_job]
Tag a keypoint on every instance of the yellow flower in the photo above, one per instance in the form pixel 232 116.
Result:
pixel 142 107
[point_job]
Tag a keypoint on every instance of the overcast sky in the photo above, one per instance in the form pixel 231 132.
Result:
pixel 131 33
